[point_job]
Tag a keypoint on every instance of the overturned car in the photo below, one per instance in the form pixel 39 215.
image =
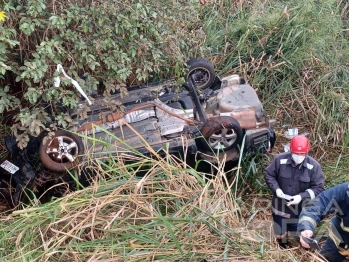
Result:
pixel 207 116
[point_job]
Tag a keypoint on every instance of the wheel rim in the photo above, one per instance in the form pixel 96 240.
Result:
pixel 222 139
pixel 201 76
pixel 62 149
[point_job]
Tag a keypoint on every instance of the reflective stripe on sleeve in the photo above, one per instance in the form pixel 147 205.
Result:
pixel 346 229
pixel 311 193
pixel 309 219
pixel 335 239
pixel 280 213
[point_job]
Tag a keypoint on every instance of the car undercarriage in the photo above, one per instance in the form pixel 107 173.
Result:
pixel 206 115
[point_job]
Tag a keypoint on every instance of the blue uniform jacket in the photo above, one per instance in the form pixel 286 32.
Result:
pixel 334 199
pixel 306 180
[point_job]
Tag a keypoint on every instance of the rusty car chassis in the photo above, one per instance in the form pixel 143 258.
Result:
pixel 210 116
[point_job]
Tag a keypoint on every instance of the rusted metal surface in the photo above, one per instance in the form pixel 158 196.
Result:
pixel 119 115
pixel 247 118
pixel 110 118
pixel 215 123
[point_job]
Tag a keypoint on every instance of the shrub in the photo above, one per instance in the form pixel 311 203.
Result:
pixel 99 44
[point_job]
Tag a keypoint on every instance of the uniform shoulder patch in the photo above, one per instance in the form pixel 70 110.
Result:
pixel 310 166
pixel 283 161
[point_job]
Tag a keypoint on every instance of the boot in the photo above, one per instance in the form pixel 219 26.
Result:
pixel 282 242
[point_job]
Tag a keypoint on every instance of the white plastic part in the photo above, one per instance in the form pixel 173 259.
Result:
pixel 287 147
pixel 57 82
pixel 9 167
pixel 293 131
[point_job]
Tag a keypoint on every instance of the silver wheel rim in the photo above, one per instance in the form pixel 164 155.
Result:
pixel 222 139
pixel 62 149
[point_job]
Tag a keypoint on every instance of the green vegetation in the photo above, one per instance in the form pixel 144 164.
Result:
pixel 103 45
pixel 170 214
pixel 293 52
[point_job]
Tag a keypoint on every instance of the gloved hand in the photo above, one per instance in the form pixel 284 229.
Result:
pixel 295 200
pixel 279 192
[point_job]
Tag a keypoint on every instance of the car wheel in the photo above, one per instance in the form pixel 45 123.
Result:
pixel 202 71
pixel 221 133
pixel 61 151
pixel 272 140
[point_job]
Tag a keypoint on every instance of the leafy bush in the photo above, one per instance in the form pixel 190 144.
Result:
pixel 99 44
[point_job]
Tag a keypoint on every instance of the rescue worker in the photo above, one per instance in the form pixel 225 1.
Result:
pixel 297 175
pixel 334 199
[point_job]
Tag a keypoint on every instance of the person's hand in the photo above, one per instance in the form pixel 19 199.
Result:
pixel 295 200
pixel 279 193
pixel 344 252
pixel 341 251
pixel 305 233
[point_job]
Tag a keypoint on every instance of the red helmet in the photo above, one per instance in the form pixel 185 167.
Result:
pixel 300 145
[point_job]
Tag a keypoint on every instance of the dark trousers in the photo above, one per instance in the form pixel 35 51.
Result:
pixel 283 225
pixel 329 251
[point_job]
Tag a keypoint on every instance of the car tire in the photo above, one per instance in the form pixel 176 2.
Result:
pixel 220 134
pixel 59 158
pixel 272 139
pixel 203 72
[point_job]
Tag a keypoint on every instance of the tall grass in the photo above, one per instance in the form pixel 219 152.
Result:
pixel 295 54
pixel 166 215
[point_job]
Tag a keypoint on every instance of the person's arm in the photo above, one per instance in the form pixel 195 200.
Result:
pixel 315 210
pixel 316 183
pixel 270 175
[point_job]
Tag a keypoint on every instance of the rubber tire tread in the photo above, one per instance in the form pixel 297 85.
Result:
pixel 195 63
